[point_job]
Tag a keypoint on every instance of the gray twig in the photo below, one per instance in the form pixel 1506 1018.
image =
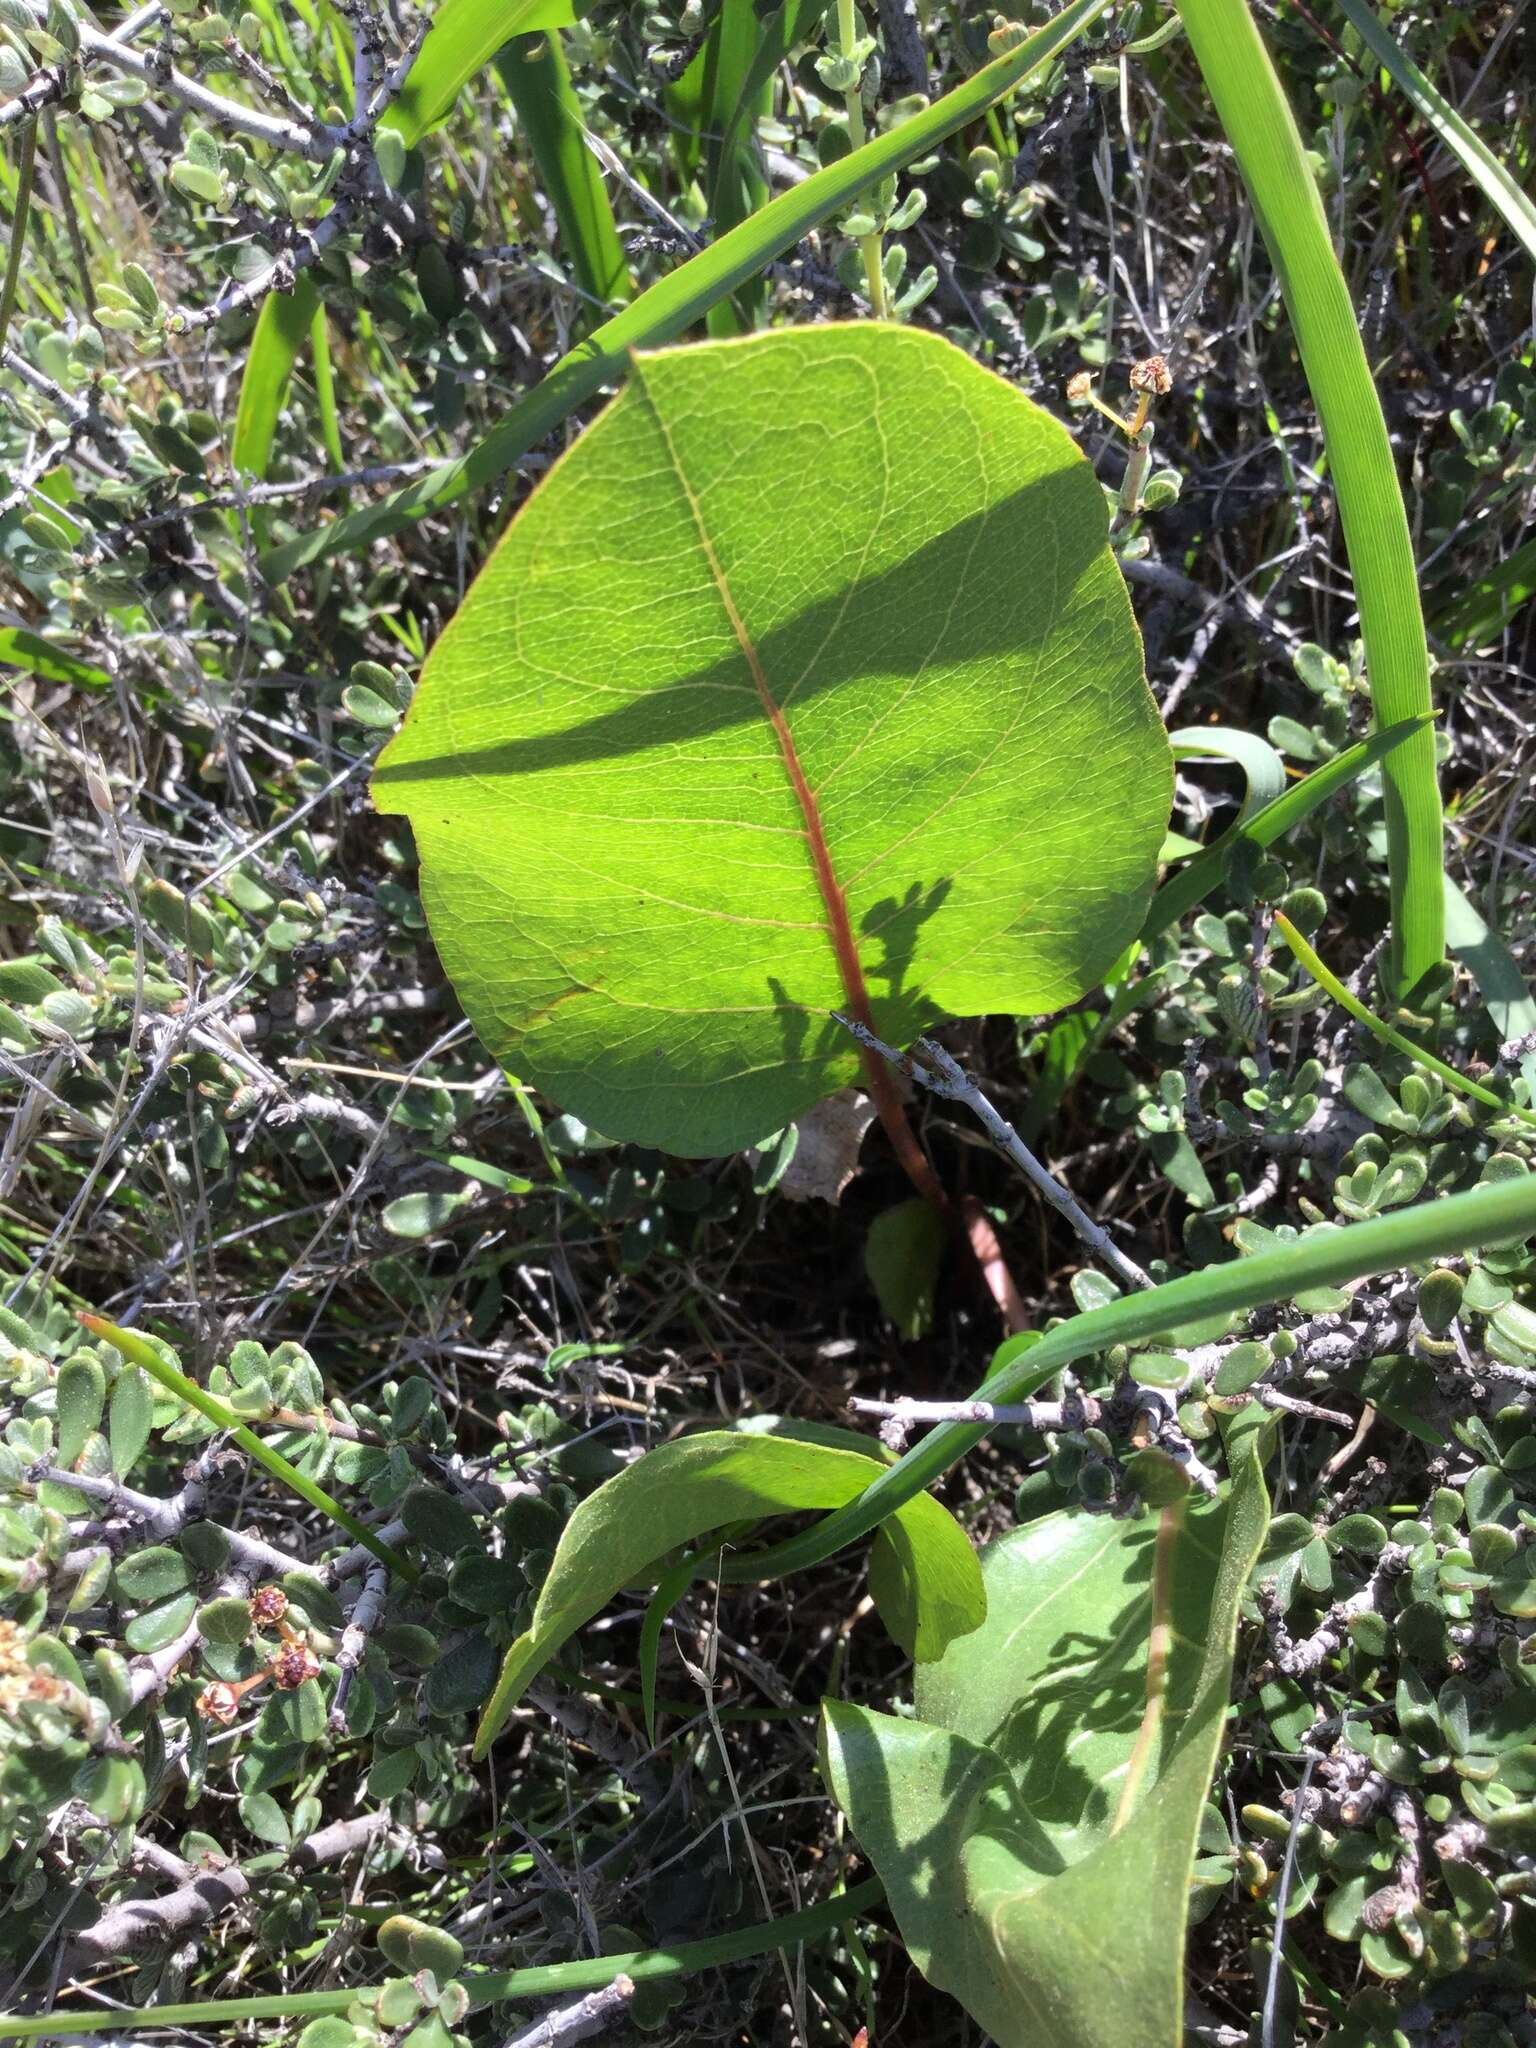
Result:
pixel 367 1609
pixel 1027 1414
pixel 1295 1659
pixel 577 2022
pixel 945 1077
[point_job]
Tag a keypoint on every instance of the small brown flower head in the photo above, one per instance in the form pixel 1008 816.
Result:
pixel 268 1605
pixel 1080 387
pixel 294 1663
pixel 219 1702
pixel 1152 376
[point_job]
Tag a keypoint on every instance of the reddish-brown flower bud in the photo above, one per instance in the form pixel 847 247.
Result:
pixel 1152 376
pixel 294 1663
pixel 1079 387
pixel 268 1605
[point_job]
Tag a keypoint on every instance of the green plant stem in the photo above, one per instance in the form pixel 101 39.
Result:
pixel 677 300
pixel 869 245
pixel 139 1351
pixel 1384 1243
pixel 485 1987
pixel 1325 977
pixel 23 207
pixel 1267 144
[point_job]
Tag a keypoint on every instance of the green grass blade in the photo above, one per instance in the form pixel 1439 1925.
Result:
pixel 1261 128
pixel 1459 137
pixel 485 1987
pixel 284 321
pixel 139 1351
pixel 676 301
pixel 325 388
pixel 734 182
pixel 1263 769
pixel 1193 883
pixel 1325 978
pixel 21 648
pixel 1506 996
pixel 533 70
pixel 465 35
pixel 1427 1231
pixel 1483 609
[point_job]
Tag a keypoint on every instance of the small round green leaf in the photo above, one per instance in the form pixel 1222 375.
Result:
pixel 225 1621
pixel 413 1945
pixel 158 1626
pixel 153 1574
pixel 129 1417
pixel 79 1397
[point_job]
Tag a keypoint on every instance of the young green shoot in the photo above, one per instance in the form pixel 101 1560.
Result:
pixel 139 1351
pixel 1325 978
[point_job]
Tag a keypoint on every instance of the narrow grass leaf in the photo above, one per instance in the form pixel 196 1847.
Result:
pixel 325 388
pixel 1485 607
pixel 21 648
pixel 1261 128
pixel 734 183
pixel 675 301
pixel 1495 183
pixel 285 320
pixel 465 35
pixel 533 70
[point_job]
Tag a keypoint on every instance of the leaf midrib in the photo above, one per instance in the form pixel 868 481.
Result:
pixel 836 921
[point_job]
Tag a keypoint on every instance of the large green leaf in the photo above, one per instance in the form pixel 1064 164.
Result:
pixel 995 1819
pixel 465 35
pixel 925 1579
pixel 805 681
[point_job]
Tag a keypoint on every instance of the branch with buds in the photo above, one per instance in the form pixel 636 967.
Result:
pixel 1149 379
